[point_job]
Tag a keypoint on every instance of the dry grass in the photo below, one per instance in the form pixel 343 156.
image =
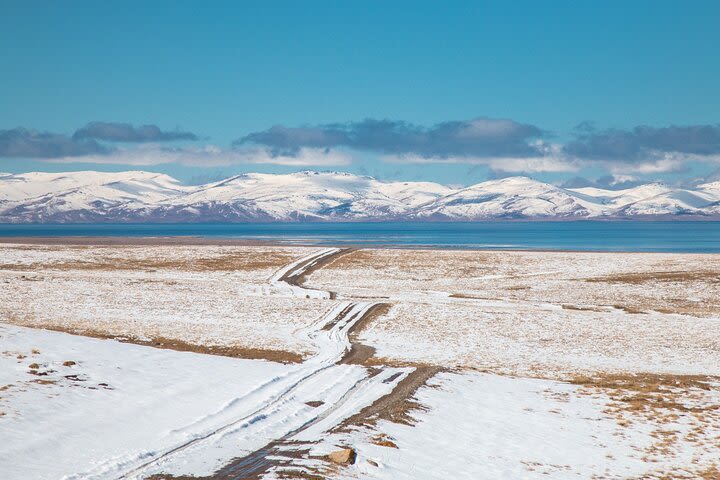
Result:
pixel 710 473
pixel 467 296
pixel 382 440
pixel 647 382
pixel 354 259
pixel 244 260
pixel 518 276
pixel 281 356
pixel 660 276
pixel 668 404
pixel 41 381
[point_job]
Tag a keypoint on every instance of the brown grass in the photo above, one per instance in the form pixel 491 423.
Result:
pixel 466 262
pixel 660 400
pixel 646 382
pixel 41 381
pixel 467 296
pixel 660 276
pixel 281 356
pixel 382 440
pixel 229 262
pixel 355 258
pixel 709 473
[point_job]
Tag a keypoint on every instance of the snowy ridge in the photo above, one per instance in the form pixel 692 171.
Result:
pixel 86 197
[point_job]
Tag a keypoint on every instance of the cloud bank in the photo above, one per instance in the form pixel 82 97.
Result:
pixel 124 132
pixel 504 146
pixel 643 142
pixel 24 143
pixel 480 137
pixel 212 156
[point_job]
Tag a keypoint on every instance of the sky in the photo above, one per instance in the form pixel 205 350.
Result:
pixel 570 92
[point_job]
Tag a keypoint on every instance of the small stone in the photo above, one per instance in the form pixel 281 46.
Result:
pixel 344 456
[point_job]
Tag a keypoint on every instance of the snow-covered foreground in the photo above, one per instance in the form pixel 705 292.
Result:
pixel 624 350
pixel 481 426
pixel 312 396
pixel 116 401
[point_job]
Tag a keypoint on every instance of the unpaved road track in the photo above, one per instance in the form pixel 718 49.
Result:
pixel 310 399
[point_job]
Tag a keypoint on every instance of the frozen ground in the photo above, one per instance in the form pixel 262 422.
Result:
pixel 591 365
pixel 482 426
pixel 540 313
pixel 201 295
pixel 116 401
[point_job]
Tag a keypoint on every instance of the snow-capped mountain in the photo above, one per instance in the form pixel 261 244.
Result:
pixel 313 196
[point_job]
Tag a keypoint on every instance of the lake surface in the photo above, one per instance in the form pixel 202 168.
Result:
pixel 682 236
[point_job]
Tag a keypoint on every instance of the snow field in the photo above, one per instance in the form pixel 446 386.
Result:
pixel 538 313
pixel 483 426
pixel 117 402
pixel 550 315
pixel 198 298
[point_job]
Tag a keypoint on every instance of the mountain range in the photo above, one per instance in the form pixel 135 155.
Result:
pixel 136 196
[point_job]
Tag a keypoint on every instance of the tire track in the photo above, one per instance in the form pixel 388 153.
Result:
pixel 282 405
pixel 329 334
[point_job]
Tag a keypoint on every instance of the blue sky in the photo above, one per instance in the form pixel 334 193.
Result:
pixel 454 92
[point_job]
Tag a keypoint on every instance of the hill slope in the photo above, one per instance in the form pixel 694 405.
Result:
pixel 135 196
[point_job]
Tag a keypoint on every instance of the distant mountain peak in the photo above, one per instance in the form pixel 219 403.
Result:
pixel 139 196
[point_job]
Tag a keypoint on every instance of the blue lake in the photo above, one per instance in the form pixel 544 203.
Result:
pixel 679 236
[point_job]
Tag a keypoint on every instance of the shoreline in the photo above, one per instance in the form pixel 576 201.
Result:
pixel 190 240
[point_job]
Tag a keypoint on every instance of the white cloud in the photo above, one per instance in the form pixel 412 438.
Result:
pixel 549 163
pixel 618 179
pixel 657 163
pixel 212 156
